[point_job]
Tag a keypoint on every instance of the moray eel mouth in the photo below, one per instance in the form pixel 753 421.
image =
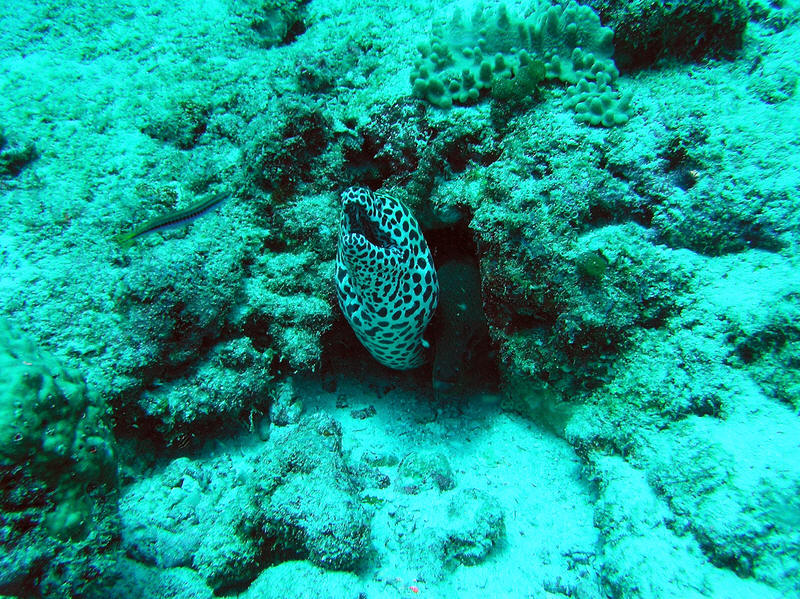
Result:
pixel 359 223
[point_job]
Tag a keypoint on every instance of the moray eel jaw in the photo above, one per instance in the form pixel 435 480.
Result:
pixel 385 279
pixel 365 252
pixel 360 234
pixel 356 221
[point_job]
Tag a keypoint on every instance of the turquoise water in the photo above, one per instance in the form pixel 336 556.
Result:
pixel 582 220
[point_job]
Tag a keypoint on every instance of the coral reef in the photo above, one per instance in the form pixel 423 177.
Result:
pixel 193 515
pixel 466 58
pixel 677 411
pixel 649 30
pixel 58 475
pixel 293 496
pixel 644 553
pixel 306 498
pixel 639 285
pixel 206 332
pixel 596 103
pixel 550 320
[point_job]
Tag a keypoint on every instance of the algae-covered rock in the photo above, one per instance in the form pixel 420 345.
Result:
pixel 691 29
pixel 307 499
pixel 428 469
pixel 476 524
pixel 194 514
pixel 58 475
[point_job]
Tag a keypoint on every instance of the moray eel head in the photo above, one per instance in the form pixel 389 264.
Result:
pixel 359 219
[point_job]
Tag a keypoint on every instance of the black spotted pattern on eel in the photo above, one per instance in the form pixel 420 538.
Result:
pixel 385 279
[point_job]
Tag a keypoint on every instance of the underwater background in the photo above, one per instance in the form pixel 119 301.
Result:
pixel 610 396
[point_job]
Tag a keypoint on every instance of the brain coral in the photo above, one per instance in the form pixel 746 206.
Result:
pixel 465 57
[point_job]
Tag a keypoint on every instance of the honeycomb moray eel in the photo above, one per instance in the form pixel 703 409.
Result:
pixel 385 279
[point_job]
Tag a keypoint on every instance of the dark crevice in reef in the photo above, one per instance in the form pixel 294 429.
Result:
pixel 463 356
pixel 399 146
pixel 451 242
pixel 601 216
